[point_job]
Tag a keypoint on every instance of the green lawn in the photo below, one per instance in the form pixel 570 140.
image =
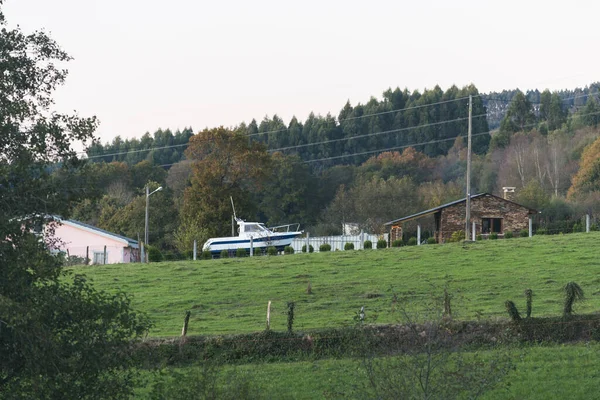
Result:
pixel 553 372
pixel 230 295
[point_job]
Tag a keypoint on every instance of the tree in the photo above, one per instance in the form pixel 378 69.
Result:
pixel 587 179
pixel 225 164
pixel 59 338
pixel 518 118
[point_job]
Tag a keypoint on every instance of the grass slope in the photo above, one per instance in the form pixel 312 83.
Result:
pixel 230 295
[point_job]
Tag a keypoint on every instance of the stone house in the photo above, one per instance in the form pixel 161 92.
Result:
pixel 489 213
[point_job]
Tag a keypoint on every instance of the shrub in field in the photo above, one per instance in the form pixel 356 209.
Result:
pixel 206 255
pixel 479 237
pixel 224 254
pixel 573 293
pixel 529 299
pixel 541 231
pixel 325 247
pixel 271 251
pixel 431 240
pixel 397 243
pixel 524 233
pixel 508 235
pixel 512 310
pixel 412 241
pixel 311 249
pixel 288 250
pixel 593 228
pixel 381 244
pixel 154 254
pixel 241 253
pixel 290 316
pixel 349 246
pixel 367 244
pixel 457 236
pixel 493 236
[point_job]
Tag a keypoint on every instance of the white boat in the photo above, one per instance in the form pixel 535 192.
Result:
pixel 255 235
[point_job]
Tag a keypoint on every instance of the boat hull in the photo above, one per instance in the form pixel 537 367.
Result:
pixel 259 244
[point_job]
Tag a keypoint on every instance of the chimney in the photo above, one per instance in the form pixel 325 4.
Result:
pixel 509 192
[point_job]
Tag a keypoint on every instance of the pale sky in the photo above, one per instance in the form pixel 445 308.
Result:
pixel 140 65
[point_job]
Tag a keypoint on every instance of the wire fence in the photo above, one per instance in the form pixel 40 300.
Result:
pixel 337 243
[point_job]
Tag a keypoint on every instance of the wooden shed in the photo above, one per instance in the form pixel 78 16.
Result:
pixel 489 213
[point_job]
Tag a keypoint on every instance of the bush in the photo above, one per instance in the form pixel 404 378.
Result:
pixel 325 247
pixel 457 236
pixel 311 249
pixel 288 250
pixel 241 253
pixel 367 244
pixel 541 231
pixel 381 244
pixel 431 240
pixel 508 235
pixel 524 233
pixel 188 255
pixel 154 254
pixel 206 255
pixel 271 251
pixel 412 241
pixel 593 227
pixel 224 254
pixel 397 243
pixel 479 237
pixel 349 246
pixel 493 236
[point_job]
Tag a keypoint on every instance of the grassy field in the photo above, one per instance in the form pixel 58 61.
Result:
pixel 230 295
pixel 542 372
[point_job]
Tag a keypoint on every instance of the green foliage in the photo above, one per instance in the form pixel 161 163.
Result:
pixel 288 250
pixel 524 233
pixel 529 300
pixel 431 240
pixel 241 253
pixel 540 231
pixel 493 236
pixel 290 316
pixel 367 245
pixel 397 243
pixel 224 254
pixel 325 247
pixel 573 293
pixel 206 255
pixel 457 236
pixel 479 237
pixel 412 241
pixel 349 246
pixel 310 248
pixel 381 244
pixel 512 311
pixel 508 235
pixel 154 254
pixel 271 251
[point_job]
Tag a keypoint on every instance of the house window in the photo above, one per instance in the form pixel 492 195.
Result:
pixel 491 225
pixel 98 257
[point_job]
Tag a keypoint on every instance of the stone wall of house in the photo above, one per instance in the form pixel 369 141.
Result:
pixel 514 216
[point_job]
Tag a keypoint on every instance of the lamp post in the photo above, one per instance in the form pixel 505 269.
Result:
pixel 147 204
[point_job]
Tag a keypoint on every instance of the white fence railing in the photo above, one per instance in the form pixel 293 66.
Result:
pixel 337 242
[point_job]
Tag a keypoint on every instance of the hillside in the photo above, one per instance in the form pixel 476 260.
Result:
pixel 230 296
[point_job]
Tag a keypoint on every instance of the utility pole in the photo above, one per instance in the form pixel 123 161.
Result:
pixel 146 224
pixel 468 216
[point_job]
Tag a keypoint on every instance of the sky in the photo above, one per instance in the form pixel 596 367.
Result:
pixel 140 65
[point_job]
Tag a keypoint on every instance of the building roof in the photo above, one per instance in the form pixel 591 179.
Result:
pixel 438 208
pixel 90 228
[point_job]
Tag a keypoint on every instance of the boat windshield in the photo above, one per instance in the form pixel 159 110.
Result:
pixel 249 228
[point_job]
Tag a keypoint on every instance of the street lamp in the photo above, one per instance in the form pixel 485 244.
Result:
pixel 147 204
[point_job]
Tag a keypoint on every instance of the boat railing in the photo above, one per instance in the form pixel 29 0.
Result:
pixel 285 228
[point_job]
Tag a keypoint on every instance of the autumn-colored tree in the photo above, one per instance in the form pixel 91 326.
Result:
pixel 225 164
pixel 587 179
pixel 410 162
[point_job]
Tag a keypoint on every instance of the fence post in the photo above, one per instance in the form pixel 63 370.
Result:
pixel 195 248
pixel 587 223
pixel 104 254
pixel 251 246
pixel 87 255
pixel 142 253
pixel 307 243
pixel 269 315
pixel 530 227
pixel 473 232
pixel 418 234
pixel 185 325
